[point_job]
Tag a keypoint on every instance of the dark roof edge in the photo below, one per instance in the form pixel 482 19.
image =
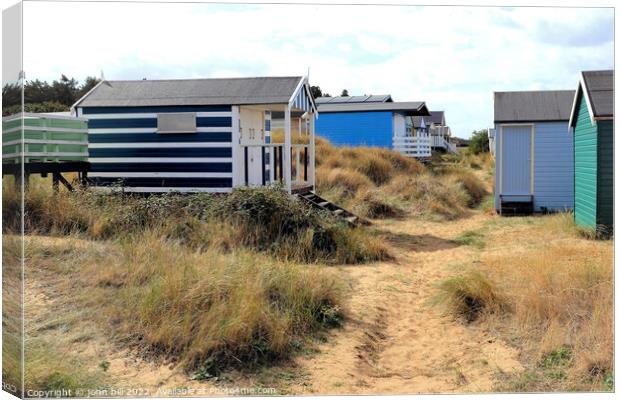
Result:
pixel 525 121
pixel 581 87
pixel 533 91
pixel 204 79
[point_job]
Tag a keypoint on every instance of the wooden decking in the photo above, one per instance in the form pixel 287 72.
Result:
pixel 301 188
pixel 56 169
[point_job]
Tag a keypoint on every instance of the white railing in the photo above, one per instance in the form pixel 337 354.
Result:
pixel 438 141
pixel 444 143
pixel 413 146
pixel 272 161
pixel 451 147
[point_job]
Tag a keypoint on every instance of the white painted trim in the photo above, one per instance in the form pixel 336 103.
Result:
pixel 160 145
pixel 24 115
pixel 291 100
pixel 237 156
pixel 573 108
pixel 161 174
pixel 312 174
pixel 140 189
pixel 517 124
pixel 287 149
pixel 72 109
pixel 41 141
pixel 45 129
pixel 154 130
pixel 44 154
pixel 96 160
pixel 303 84
pixel 154 115
pixel 585 94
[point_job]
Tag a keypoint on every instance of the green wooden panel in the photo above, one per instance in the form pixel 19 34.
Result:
pixel 11 136
pixel 10 149
pixel 49 122
pixel 11 124
pixel 51 149
pixel 585 168
pixel 605 195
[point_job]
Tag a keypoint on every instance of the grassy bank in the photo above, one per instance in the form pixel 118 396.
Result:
pixel 553 300
pixel 379 183
pixel 265 220
pixel 204 311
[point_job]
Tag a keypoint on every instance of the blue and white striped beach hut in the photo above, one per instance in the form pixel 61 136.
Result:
pixel 207 135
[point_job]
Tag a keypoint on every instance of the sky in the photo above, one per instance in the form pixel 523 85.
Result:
pixel 453 58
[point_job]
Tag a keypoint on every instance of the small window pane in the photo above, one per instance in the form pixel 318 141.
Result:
pixel 176 123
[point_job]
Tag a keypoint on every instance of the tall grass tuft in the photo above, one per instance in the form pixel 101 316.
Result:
pixel 212 311
pixel 470 295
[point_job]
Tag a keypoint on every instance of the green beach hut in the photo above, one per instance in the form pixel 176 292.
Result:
pixel 592 124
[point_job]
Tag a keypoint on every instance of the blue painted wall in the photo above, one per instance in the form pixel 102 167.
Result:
pixel 356 128
pixel 128 149
pixel 553 165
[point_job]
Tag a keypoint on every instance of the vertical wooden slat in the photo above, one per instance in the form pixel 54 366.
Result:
pixel 297 164
pixel 262 164
pixel 280 162
pixel 55 181
pixel 305 163
pixel 245 165
pixel 312 153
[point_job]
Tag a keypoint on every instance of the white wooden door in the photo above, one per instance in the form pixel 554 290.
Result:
pixel 252 134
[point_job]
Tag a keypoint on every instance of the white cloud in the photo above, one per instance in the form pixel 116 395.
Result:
pixel 451 57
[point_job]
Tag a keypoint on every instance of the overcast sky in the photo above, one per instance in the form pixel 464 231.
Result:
pixel 451 57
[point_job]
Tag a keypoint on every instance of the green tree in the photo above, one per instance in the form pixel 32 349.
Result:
pixel 41 96
pixel 88 84
pixel 65 90
pixel 11 95
pixel 479 142
pixel 345 93
pixel 316 91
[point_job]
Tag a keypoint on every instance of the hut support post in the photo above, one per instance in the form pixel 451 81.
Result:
pixel 287 148
pixel 311 166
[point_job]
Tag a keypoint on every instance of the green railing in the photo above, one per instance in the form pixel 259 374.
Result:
pixel 46 138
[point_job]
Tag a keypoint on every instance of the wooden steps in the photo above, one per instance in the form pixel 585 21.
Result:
pixel 516 208
pixel 337 211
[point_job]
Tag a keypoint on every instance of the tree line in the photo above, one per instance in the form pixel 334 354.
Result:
pixel 317 92
pixel 41 96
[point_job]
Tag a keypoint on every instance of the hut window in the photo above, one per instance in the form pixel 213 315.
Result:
pixel 176 123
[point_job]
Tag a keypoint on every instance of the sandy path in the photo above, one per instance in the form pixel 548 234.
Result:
pixel 395 341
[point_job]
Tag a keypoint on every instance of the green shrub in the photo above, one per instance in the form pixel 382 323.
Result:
pixel 479 142
pixel 264 219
